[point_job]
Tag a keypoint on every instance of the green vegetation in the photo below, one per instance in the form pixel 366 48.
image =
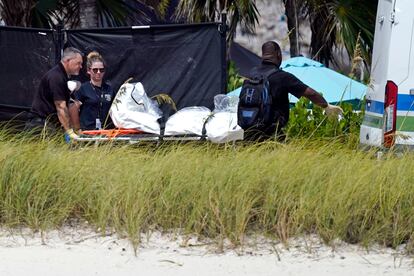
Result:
pixel 218 191
pixel 341 23
pixel 309 121
pixel 318 182
pixel 234 80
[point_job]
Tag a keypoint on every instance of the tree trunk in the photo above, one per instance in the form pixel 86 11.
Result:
pixel 323 37
pixel 17 13
pixel 88 14
pixel 291 11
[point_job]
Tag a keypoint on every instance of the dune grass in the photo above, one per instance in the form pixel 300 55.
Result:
pixel 223 192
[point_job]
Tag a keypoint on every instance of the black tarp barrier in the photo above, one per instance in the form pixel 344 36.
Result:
pixel 243 59
pixel 183 61
pixel 25 55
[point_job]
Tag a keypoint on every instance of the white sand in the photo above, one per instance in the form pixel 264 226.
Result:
pixel 79 252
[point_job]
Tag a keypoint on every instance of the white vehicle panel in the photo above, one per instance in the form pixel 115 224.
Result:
pixel 400 53
pixel 381 50
pixel 404 138
pixel 371 136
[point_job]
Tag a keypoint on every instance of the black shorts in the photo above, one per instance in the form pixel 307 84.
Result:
pixel 36 125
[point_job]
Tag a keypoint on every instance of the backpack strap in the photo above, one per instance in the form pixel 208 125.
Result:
pixel 270 72
pixel 258 76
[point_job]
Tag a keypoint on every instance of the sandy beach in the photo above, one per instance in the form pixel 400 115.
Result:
pixel 72 251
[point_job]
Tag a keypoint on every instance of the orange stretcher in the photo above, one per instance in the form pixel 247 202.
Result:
pixel 130 135
pixel 111 133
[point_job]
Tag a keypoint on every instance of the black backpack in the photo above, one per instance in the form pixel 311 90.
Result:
pixel 255 103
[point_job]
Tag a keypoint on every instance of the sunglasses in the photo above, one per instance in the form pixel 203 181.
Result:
pixel 96 70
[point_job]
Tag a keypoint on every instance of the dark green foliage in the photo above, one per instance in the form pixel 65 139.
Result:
pixel 308 120
pixel 48 13
pixel 341 22
pixel 239 12
pixel 234 80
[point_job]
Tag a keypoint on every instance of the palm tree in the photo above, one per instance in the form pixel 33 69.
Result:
pixel 72 13
pixel 159 7
pixel 341 22
pixel 238 11
pixel 292 10
pixel 348 23
pixel 17 13
pixel 93 13
pixel 88 15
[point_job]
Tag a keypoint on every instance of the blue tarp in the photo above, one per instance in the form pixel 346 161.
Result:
pixel 334 86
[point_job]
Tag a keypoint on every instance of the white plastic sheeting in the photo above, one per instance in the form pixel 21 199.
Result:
pixel 222 128
pixel 132 108
pixel 189 120
pixel 222 125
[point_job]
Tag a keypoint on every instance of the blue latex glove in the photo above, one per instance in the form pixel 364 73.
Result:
pixel 70 136
pixel 67 138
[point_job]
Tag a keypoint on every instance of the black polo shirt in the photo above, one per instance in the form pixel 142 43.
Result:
pixel 53 87
pixel 96 102
pixel 281 84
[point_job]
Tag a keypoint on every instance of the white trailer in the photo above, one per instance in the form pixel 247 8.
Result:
pixel 389 116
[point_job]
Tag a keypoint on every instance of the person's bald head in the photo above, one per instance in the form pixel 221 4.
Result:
pixel 271 53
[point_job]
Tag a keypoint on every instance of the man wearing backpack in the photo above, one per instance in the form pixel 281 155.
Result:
pixel 264 101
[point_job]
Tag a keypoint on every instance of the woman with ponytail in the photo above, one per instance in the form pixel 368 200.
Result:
pixel 93 100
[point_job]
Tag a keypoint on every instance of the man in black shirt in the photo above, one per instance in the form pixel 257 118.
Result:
pixel 282 83
pixel 50 104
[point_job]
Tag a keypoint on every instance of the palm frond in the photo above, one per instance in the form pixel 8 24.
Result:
pixel 164 98
pixel 340 22
pixel 113 13
pixel 238 12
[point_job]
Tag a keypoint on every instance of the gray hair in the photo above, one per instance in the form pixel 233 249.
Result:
pixel 70 53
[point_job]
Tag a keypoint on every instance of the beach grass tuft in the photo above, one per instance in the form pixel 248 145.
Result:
pixel 224 192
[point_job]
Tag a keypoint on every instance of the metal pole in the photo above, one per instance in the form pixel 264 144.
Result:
pixel 296 28
pixel 59 41
pixel 223 33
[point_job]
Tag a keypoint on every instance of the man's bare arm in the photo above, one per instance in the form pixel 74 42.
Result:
pixel 74 114
pixel 63 114
pixel 315 97
pixel 330 110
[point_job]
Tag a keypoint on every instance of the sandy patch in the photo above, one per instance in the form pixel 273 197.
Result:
pixel 73 251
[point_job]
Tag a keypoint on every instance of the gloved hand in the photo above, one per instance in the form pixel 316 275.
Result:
pixel 70 135
pixel 333 111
